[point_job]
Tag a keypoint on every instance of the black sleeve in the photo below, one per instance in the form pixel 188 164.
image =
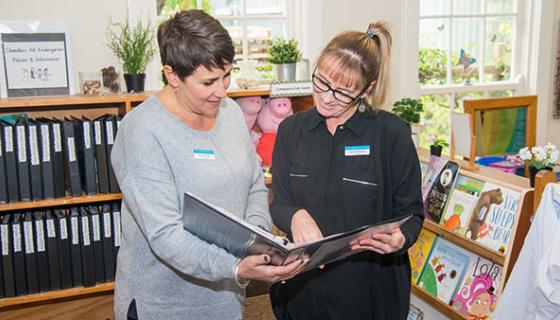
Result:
pixel 283 205
pixel 407 190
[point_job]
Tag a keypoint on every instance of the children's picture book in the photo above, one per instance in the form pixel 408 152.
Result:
pixel 415 313
pixel 436 199
pixel 431 172
pixel 476 296
pixel 494 216
pixel 461 204
pixel 444 270
pixel 423 168
pixel 418 253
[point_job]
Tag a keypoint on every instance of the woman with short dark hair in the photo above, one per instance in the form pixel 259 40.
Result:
pixel 187 137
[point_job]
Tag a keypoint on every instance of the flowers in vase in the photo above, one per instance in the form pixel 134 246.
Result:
pixel 540 157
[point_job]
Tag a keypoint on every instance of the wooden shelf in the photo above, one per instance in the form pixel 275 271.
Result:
pixel 438 304
pixel 56 295
pixel 465 243
pixel 247 93
pixel 49 101
pixel 20 206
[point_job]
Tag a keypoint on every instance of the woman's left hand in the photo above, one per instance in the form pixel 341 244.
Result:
pixel 382 243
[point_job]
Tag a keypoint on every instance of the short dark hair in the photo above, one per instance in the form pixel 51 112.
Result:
pixel 193 38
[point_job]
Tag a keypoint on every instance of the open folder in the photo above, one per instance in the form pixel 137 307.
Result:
pixel 220 227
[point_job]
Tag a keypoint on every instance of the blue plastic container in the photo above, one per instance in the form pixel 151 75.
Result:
pixel 485 161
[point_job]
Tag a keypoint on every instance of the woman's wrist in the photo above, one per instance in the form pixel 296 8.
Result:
pixel 242 283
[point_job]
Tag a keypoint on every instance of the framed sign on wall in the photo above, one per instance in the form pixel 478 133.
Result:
pixel 35 59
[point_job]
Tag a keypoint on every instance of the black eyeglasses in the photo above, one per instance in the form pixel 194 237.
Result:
pixel 323 86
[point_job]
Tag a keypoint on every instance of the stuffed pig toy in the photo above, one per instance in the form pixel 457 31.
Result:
pixel 251 107
pixel 270 116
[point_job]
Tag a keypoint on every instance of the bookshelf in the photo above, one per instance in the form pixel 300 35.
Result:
pixel 519 231
pixel 73 302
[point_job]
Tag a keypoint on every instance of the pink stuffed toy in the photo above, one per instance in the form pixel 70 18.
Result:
pixel 272 113
pixel 251 107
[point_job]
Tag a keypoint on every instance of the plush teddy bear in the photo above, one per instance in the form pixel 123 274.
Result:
pixel 272 113
pixel 251 107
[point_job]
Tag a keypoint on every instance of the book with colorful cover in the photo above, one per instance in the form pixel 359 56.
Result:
pixel 435 166
pixel 444 270
pixel 493 218
pixel 476 296
pixel 461 204
pixel 418 253
pixel 438 194
pixel 415 313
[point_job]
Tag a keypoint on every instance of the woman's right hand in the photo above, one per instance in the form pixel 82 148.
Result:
pixel 304 228
pixel 259 268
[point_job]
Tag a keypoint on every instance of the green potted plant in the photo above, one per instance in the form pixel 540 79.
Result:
pixel 409 109
pixel 284 53
pixel 437 146
pixel 134 46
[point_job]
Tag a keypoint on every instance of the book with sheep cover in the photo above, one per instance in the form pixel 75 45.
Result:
pixel 218 226
pixel 494 216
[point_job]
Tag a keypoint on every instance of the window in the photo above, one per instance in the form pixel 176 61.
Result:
pixel 467 49
pixel 252 24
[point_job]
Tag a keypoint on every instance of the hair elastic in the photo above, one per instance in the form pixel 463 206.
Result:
pixel 371 34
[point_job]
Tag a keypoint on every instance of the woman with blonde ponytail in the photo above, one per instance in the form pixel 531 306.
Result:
pixel 341 165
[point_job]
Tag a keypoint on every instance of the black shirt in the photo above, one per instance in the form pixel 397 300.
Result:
pixel 368 171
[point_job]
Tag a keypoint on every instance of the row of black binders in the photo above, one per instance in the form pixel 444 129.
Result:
pixel 50 158
pixel 59 249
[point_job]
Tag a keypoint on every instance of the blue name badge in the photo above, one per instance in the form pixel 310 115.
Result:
pixel 351 151
pixel 204 154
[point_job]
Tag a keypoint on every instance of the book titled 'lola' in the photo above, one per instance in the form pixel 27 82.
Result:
pixel 476 296
pixel 444 270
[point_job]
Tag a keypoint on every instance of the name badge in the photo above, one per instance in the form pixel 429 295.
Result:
pixel 204 154
pixel 351 151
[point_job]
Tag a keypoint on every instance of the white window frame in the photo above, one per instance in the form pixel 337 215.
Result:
pixel 519 66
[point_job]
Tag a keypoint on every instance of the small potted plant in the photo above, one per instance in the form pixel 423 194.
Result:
pixel 134 46
pixel 284 54
pixel 437 146
pixel 539 158
pixel 409 109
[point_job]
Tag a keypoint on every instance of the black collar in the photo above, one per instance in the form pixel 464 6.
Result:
pixel 357 123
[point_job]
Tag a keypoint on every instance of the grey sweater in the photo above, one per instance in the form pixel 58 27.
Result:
pixel 171 273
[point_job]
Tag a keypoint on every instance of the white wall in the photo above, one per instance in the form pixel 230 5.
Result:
pixel 336 16
pixel 87 22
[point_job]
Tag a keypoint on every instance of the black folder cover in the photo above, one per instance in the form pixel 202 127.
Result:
pixel 18 255
pixel 10 160
pixel 7 261
pixel 111 133
pixel 22 160
pixel 116 210
pixel 45 148
pixel 71 164
pixel 64 249
pixel 88 266
pixel 86 154
pixel 34 160
pixel 97 241
pixel 30 256
pixel 76 247
pixel 52 250
pixel 240 238
pixel 108 242
pixel 58 158
pixel 101 154
pixel 41 251
pixel 3 178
